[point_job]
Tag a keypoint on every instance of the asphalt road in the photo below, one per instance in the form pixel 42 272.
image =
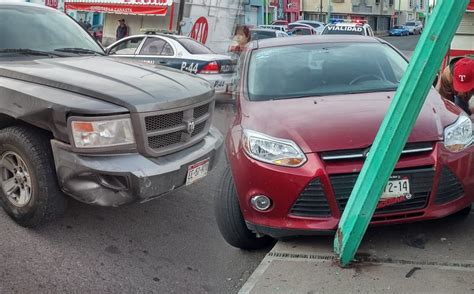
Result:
pixel 406 44
pixel 169 245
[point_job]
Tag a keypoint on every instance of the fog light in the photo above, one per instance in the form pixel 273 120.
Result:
pixel 261 202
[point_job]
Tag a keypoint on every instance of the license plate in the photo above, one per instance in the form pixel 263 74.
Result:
pixel 219 84
pixel 197 171
pixel 397 190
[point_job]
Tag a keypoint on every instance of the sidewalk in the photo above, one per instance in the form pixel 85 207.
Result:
pixel 430 257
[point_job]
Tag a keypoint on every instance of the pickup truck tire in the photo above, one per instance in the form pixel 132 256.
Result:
pixel 230 220
pixel 27 151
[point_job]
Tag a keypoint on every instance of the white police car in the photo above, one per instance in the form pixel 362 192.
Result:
pixel 362 29
pixel 182 53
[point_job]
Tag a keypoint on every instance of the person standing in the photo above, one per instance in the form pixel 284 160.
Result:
pixel 88 25
pixel 122 30
pixel 241 38
pixel 81 23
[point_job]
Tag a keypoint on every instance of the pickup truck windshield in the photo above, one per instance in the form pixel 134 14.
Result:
pixel 42 29
pixel 323 69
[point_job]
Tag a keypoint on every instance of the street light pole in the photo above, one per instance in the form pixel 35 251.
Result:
pixel 321 11
pixel 399 11
pixel 329 12
pixel 427 10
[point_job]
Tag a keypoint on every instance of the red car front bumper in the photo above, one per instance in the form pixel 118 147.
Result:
pixel 309 200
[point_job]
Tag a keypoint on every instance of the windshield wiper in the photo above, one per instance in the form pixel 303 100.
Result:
pixel 79 51
pixel 28 52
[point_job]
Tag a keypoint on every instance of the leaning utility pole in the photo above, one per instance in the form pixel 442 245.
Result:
pixel 397 126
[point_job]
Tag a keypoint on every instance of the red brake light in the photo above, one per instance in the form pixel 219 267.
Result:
pixel 210 68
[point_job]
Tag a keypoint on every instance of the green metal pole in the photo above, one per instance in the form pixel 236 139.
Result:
pixel 396 127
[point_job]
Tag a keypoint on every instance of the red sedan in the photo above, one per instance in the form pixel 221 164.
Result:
pixel 308 110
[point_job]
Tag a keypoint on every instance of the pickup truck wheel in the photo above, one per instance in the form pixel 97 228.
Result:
pixel 230 220
pixel 29 191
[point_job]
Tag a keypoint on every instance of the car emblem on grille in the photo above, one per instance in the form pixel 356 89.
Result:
pixel 191 126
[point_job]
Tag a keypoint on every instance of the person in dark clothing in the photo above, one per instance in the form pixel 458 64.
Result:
pixel 122 30
pixel 81 23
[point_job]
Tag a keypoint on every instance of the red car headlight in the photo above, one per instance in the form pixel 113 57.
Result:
pixel 458 136
pixel 271 150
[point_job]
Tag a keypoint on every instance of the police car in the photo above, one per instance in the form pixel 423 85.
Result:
pixel 179 52
pixel 348 29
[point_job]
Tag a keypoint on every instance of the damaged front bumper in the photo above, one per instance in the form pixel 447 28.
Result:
pixel 113 180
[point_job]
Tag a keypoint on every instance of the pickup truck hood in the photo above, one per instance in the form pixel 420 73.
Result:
pixel 136 86
pixel 341 122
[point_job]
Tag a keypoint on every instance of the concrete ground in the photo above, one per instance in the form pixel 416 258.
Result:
pixel 428 257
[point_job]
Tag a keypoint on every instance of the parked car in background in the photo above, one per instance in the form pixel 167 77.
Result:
pixel 348 29
pixel 317 25
pixel 414 27
pixel 104 131
pixel 282 28
pixel 181 53
pixel 399 31
pixel 308 112
pixel 302 30
pixel 298 24
pixel 280 22
pixel 259 34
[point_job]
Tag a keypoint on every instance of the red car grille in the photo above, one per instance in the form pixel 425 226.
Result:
pixel 421 183
pixel 312 202
pixel 449 187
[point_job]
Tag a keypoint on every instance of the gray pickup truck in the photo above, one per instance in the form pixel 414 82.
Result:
pixel 105 131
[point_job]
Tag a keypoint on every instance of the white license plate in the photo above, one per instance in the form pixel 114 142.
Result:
pixel 219 85
pixel 197 171
pixel 396 187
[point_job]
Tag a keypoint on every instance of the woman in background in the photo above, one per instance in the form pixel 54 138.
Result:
pixel 241 38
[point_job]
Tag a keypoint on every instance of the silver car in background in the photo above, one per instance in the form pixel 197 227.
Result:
pixel 414 27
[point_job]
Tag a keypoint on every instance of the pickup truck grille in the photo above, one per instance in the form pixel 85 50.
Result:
pixel 167 132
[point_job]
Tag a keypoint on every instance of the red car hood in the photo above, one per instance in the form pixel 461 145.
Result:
pixel 341 122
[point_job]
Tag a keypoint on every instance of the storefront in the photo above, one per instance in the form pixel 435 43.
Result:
pixel 292 10
pixel 138 14
pixel 253 12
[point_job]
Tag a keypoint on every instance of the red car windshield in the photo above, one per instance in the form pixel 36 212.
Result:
pixel 323 69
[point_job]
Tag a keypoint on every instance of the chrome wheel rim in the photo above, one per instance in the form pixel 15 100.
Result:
pixel 16 180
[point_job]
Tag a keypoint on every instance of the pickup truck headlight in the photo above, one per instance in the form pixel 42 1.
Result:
pixel 272 150
pixel 102 133
pixel 458 136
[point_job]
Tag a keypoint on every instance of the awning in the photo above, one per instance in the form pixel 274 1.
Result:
pixel 133 7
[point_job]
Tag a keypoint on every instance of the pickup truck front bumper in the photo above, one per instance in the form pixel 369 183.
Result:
pixel 114 180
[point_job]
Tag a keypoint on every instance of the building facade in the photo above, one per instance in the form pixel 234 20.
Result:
pixel 379 14
pixel 409 10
